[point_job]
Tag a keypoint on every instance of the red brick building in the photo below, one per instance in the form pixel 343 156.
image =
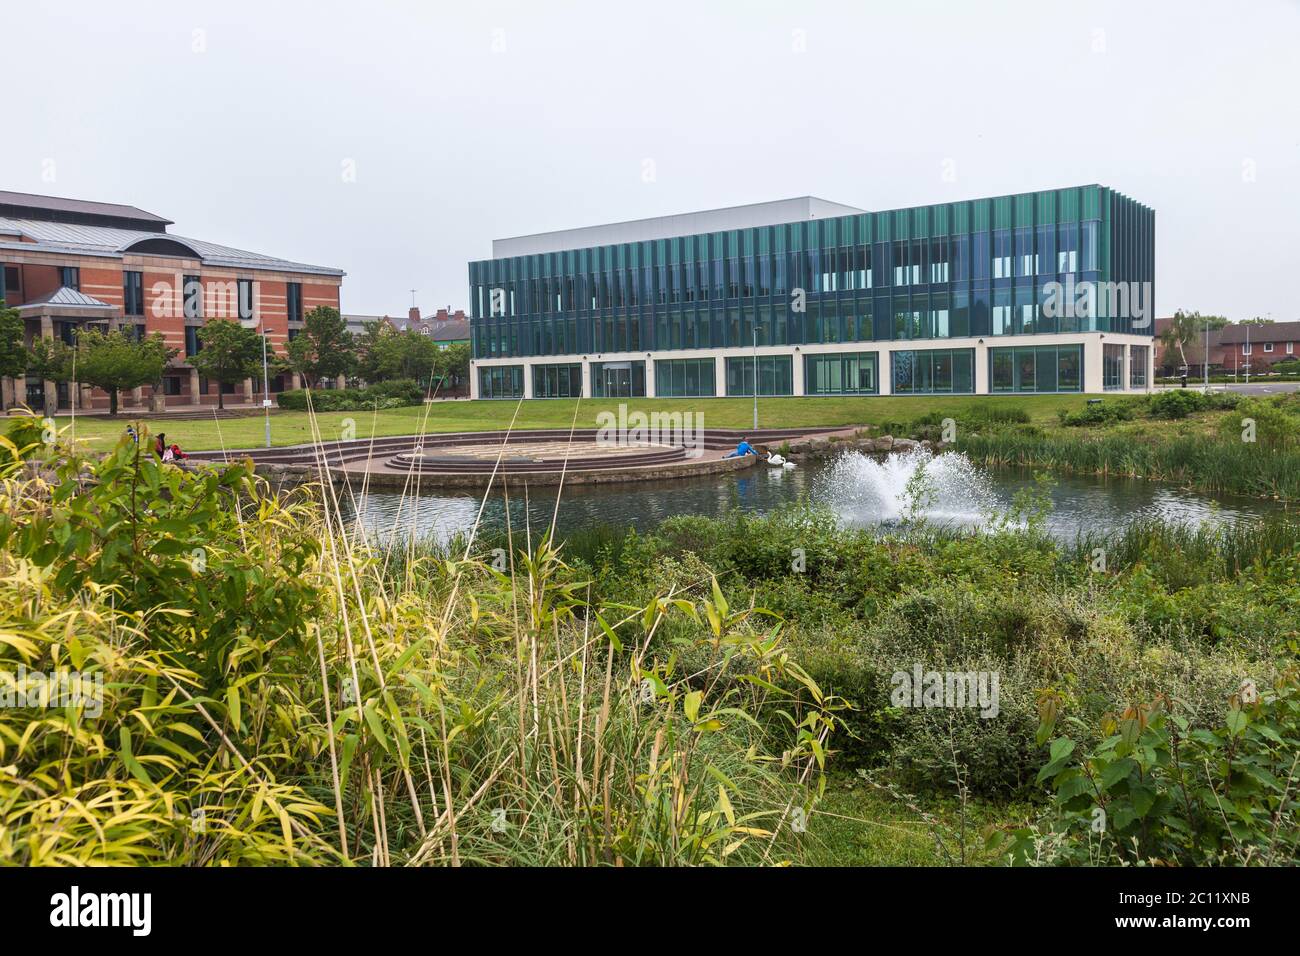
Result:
pixel 1233 349
pixel 71 263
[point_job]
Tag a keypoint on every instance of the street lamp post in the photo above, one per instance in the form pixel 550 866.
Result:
pixel 266 388
pixel 1205 364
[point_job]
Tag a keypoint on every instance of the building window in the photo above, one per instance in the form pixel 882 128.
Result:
pixel 70 276
pixel 1245 349
pixel 685 378
pixel 192 343
pixel 13 280
pixel 775 375
pixel 133 293
pixel 245 298
pixel 1037 368
pixel 557 381
pixel 294 301
pixel 501 381
pixel 1112 367
pixel 1290 348
pixel 192 291
pixel 850 373
pixel 1268 346
pixel 171 385
pixel 617 379
pixel 930 371
pixel 1139 357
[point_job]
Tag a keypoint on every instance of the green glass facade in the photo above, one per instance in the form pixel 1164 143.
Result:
pixel 933 371
pixel 1036 368
pixel 557 381
pixel 501 381
pixel 775 375
pixel 972 268
pixel 685 378
pixel 841 373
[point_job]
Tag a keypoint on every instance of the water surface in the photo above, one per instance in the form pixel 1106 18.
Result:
pixel 861 490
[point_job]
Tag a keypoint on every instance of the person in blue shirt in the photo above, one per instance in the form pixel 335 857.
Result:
pixel 743 449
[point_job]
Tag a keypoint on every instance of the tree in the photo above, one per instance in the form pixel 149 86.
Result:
pixel 229 353
pixel 13 356
pixel 453 364
pixel 323 348
pixel 1184 327
pixel 115 360
pixel 50 360
pixel 1257 320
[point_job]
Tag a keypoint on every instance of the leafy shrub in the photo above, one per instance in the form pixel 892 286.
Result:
pixel 1272 422
pixel 394 394
pixel 1154 788
pixel 1099 413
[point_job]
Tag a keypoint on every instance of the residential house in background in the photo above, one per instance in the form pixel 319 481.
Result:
pixel 71 263
pixel 1234 349
pixel 445 327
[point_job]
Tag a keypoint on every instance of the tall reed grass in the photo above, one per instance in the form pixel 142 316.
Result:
pixel 277 690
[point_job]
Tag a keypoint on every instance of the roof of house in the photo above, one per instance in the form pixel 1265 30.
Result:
pixel 79 207
pixel 453 330
pixel 91 240
pixel 1269 332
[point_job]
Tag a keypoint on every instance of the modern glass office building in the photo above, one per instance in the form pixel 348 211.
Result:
pixel 1037 292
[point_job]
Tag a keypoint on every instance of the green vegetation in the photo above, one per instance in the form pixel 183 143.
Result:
pixel 117 359
pixel 228 354
pixel 1216 443
pixel 396 393
pixel 323 348
pixel 263 688
pixel 275 690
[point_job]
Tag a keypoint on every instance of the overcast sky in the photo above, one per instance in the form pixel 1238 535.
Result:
pixel 396 140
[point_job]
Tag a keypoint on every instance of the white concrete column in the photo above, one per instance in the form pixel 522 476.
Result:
pixel 528 380
pixel 649 378
pixel 719 375
pixel 296 380
pixel 981 369
pixel 884 370
pixel 196 397
pixel 248 390
pixel 473 380
pixel 586 379
pixel 341 382
pixel 1092 366
pixel 796 369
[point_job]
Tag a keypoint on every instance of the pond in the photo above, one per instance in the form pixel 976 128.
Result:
pixel 862 490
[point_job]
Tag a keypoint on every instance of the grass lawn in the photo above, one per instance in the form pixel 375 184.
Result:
pixel 857 825
pixel 292 428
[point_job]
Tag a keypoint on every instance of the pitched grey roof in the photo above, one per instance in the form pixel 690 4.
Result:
pixel 451 331
pixel 65 295
pixel 1269 332
pixel 79 206
pixel 77 239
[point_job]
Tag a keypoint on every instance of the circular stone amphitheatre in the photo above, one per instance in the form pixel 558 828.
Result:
pixel 541 456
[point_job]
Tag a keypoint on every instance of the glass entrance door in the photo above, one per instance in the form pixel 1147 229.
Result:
pixel 617 379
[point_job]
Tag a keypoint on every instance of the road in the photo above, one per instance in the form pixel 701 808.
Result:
pixel 1254 388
